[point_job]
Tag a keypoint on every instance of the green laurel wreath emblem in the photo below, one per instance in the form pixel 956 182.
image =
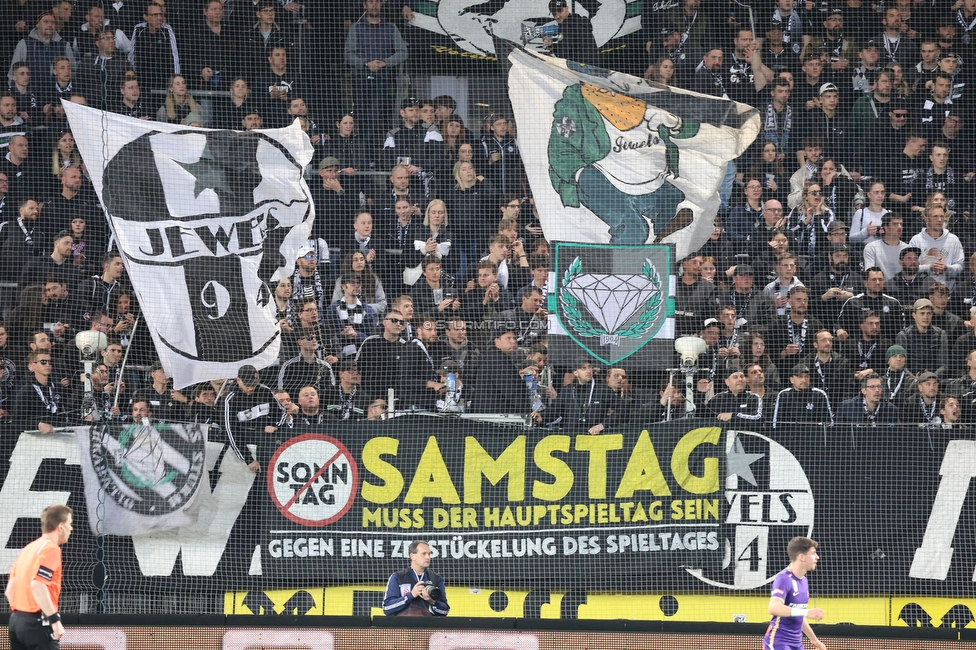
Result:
pixel 584 328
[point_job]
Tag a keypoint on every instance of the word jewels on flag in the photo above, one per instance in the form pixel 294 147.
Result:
pixel 206 222
pixel 612 158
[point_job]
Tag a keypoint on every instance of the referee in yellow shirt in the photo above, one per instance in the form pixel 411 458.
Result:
pixel 35 585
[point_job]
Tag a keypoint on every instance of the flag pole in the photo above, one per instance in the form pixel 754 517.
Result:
pixel 128 348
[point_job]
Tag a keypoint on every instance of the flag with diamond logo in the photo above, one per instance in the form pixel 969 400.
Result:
pixel 612 300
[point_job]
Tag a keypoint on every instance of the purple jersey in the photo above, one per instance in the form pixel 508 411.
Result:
pixel 786 632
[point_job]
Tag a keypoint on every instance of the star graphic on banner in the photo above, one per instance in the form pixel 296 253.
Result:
pixel 739 461
pixel 208 175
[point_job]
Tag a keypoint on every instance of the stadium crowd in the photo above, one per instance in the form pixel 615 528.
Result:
pixel 838 285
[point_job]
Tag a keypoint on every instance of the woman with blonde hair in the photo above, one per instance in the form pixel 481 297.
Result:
pixel 809 221
pixel 179 103
pixel 474 220
pixel 435 236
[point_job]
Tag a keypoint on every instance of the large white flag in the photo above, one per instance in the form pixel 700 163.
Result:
pixel 142 479
pixel 612 158
pixel 206 221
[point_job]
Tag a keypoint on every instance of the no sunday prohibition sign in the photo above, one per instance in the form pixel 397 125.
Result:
pixel 313 479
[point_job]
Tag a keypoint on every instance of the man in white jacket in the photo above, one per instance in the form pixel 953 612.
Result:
pixel 942 254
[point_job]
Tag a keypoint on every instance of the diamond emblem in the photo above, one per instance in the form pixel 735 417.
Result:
pixel 611 299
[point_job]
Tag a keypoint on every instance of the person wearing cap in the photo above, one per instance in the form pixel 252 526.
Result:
pixel 775 53
pixel 308 282
pixel 753 310
pixel 867 64
pixel 497 379
pixel 332 199
pixel 576 41
pixel 580 405
pixel 908 285
pixel 374 50
pixel 694 297
pixel 500 157
pixel 926 344
pixel 736 404
pixel 828 123
pixel 923 407
pixel 352 322
pixel 800 402
pixel 307 368
pixel 899 383
pixel 870 408
pixel 836 284
pixel 942 255
pixel 160 397
pixel 885 252
pixel 419 148
pixel 709 364
pixel 41 46
pixel 345 399
pixel 873 299
pixel 248 412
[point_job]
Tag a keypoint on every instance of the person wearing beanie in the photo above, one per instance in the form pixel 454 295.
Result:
pixel 898 382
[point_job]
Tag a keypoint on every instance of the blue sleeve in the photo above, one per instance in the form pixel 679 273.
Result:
pixel 440 607
pixel 393 602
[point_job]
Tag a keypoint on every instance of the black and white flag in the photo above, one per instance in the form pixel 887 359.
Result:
pixel 142 479
pixel 206 221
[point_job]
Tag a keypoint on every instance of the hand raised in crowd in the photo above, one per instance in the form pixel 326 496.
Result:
pixel 254 466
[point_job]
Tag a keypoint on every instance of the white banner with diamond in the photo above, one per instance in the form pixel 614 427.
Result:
pixel 611 300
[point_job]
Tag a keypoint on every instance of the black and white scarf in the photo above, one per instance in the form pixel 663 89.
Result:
pixel 302 289
pixel 772 130
pixel 50 400
pixel 351 315
pixel 966 29
pixel 801 340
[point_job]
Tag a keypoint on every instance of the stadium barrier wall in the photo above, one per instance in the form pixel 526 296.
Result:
pixel 682 521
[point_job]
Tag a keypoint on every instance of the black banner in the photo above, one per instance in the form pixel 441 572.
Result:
pixel 686 506
pixel 497 507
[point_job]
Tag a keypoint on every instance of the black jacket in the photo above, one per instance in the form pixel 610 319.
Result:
pixel 498 387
